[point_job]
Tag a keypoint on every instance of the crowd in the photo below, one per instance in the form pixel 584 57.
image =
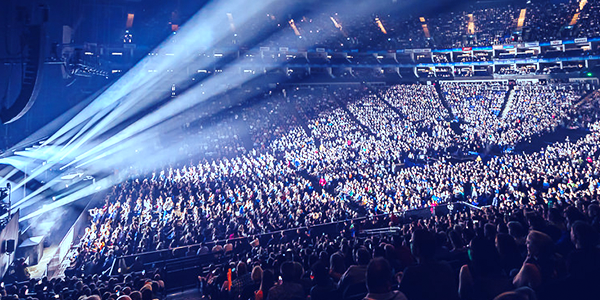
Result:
pixel 537 109
pixel 461 27
pixel 209 201
pixel 531 110
pixel 320 155
pixel 364 156
pixel 539 240
pixel 537 246
pixel 133 286
pixel 477 106
pixel 524 70
pixel 351 150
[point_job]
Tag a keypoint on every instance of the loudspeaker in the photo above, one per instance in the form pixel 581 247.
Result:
pixel 33 62
pixel 8 246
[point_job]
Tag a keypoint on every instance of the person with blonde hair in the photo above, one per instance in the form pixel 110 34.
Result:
pixel 256 276
pixel 540 268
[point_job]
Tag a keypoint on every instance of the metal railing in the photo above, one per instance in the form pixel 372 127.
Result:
pixel 163 257
pixel 181 269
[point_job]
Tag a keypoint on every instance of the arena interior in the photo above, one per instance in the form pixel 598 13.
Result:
pixel 299 149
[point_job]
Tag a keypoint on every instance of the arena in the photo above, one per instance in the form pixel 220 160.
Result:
pixel 301 149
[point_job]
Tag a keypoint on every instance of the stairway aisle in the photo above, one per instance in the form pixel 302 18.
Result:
pixel 509 99
pixel 442 97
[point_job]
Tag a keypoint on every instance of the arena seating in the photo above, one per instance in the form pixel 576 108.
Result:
pixel 354 191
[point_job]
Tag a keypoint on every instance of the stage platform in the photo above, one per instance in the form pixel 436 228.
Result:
pixel 39 270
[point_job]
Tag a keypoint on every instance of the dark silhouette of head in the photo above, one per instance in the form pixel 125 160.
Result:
pixel 362 256
pixel 379 276
pixel 287 271
pixel 583 235
pixel 423 245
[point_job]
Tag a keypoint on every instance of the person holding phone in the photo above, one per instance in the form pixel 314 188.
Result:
pixel 288 289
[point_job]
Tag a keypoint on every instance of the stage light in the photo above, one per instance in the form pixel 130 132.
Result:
pixel 128 92
pixel 100 123
pixel 78 142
